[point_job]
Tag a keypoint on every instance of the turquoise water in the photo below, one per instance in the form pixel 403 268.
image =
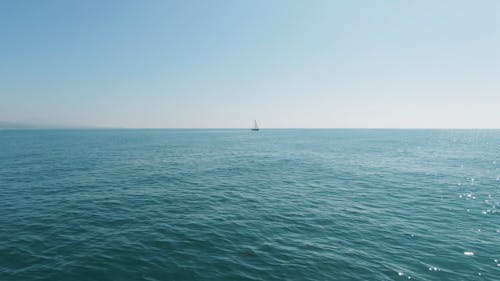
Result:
pixel 242 205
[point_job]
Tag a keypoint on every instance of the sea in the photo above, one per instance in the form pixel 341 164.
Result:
pixel 277 204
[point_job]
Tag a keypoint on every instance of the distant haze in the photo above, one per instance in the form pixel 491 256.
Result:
pixel 222 64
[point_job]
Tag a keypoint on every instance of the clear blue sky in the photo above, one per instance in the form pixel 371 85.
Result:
pixel 225 63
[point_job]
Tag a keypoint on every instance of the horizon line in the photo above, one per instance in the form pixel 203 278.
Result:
pixel 240 128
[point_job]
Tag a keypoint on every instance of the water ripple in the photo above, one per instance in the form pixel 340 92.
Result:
pixel 236 205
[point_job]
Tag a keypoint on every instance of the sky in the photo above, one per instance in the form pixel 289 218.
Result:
pixel 222 64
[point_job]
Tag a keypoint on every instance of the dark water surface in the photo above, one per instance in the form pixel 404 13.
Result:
pixel 242 205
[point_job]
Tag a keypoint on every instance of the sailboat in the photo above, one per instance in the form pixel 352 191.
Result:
pixel 255 126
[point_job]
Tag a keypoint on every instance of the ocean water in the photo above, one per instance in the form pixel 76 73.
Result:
pixel 242 205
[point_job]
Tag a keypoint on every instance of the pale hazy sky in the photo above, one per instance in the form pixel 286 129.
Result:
pixel 225 63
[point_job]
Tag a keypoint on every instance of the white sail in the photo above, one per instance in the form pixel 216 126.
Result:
pixel 255 126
